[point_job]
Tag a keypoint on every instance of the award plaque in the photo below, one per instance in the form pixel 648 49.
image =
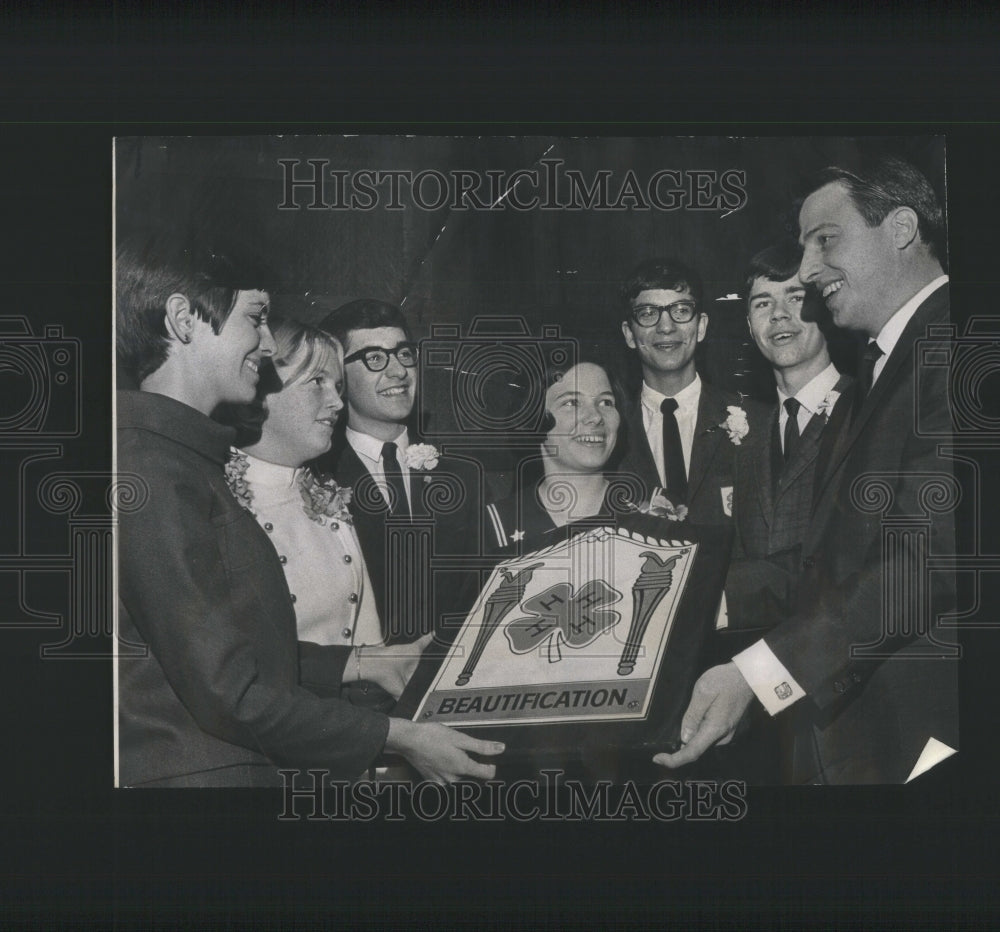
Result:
pixel 592 643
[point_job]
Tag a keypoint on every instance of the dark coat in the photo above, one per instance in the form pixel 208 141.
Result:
pixel 216 700
pixel 869 711
pixel 771 518
pixel 420 572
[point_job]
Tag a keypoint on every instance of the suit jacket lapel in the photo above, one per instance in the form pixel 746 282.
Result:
pixel 902 355
pixel 639 443
pixel 764 474
pixel 707 436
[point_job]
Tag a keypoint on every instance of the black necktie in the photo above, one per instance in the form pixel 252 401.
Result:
pixel 792 406
pixel 399 504
pixel 866 375
pixel 673 455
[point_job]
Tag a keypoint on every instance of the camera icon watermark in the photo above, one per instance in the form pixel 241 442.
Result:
pixel 41 376
pixel 496 372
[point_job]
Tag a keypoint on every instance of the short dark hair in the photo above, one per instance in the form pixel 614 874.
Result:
pixel 666 273
pixel 777 263
pixel 364 314
pixel 149 271
pixel 882 186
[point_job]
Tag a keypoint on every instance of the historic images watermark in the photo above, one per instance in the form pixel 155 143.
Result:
pixel 310 796
pixel 311 184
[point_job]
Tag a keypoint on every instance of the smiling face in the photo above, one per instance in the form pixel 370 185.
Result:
pixel 666 349
pixel 378 403
pixel 227 363
pixel 586 420
pixel 301 417
pixel 850 263
pixel 774 315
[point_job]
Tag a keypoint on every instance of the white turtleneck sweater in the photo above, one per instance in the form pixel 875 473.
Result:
pixel 323 564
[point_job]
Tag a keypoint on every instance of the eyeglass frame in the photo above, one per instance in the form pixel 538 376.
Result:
pixel 359 355
pixel 669 308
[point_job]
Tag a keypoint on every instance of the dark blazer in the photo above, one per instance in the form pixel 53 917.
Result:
pixel 420 572
pixel 712 469
pixel 217 699
pixel 868 715
pixel 771 518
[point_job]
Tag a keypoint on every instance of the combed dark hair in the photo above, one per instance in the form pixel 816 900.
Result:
pixel 780 262
pixel 884 185
pixel 665 273
pixel 364 314
pixel 777 263
pixel 148 272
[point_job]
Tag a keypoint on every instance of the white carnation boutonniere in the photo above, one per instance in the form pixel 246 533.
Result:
pixel 826 406
pixel 661 507
pixel 422 457
pixel 323 499
pixel 736 424
pixel 236 471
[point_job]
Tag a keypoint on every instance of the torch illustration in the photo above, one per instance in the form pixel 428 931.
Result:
pixel 653 583
pixel 508 594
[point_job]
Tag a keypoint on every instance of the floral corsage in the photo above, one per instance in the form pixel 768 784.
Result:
pixel 661 507
pixel 736 424
pixel 421 456
pixel 323 499
pixel 236 471
pixel 826 406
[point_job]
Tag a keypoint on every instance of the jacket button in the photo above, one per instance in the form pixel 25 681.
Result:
pixel 347 558
pixel 294 600
pixel 334 526
pixel 353 597
pixel 282 559
pixel 346 633
pixel 268 527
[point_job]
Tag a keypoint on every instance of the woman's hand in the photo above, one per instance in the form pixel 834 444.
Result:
pixel 440 753
pixel 389 667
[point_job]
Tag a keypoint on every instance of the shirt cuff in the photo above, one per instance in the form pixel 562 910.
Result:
pixel 773 685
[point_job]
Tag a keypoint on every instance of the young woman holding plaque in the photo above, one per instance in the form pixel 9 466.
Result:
pixel 582 424
pixel 216 699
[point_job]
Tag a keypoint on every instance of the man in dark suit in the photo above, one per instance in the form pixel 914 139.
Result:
pixel 775 480
pixel 417 513
pixel 863 665
pixel 683 434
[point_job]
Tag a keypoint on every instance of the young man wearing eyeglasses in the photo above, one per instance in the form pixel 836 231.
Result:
pixel 391 496
pixel 679 440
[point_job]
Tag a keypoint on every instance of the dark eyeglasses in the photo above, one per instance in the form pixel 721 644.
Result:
pixel 681 312
pixel 376 358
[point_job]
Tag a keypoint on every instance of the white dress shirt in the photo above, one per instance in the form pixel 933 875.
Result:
pixel 809 397
pixel 323 564
pixel 687 418
pixel 369 450
pixel 773 685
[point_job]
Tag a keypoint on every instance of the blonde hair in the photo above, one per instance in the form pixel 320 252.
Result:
pixel 302 350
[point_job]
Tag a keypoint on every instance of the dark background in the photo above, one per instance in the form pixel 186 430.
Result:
pixel 77 852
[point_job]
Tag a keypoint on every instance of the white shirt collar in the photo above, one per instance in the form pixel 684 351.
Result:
pixel 371 448
pixel 811 395
pixel 686 398
pixel 893 329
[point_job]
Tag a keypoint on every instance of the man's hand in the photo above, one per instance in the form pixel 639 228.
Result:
pixel 718 702
pixel 390 667
pixel 440 753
